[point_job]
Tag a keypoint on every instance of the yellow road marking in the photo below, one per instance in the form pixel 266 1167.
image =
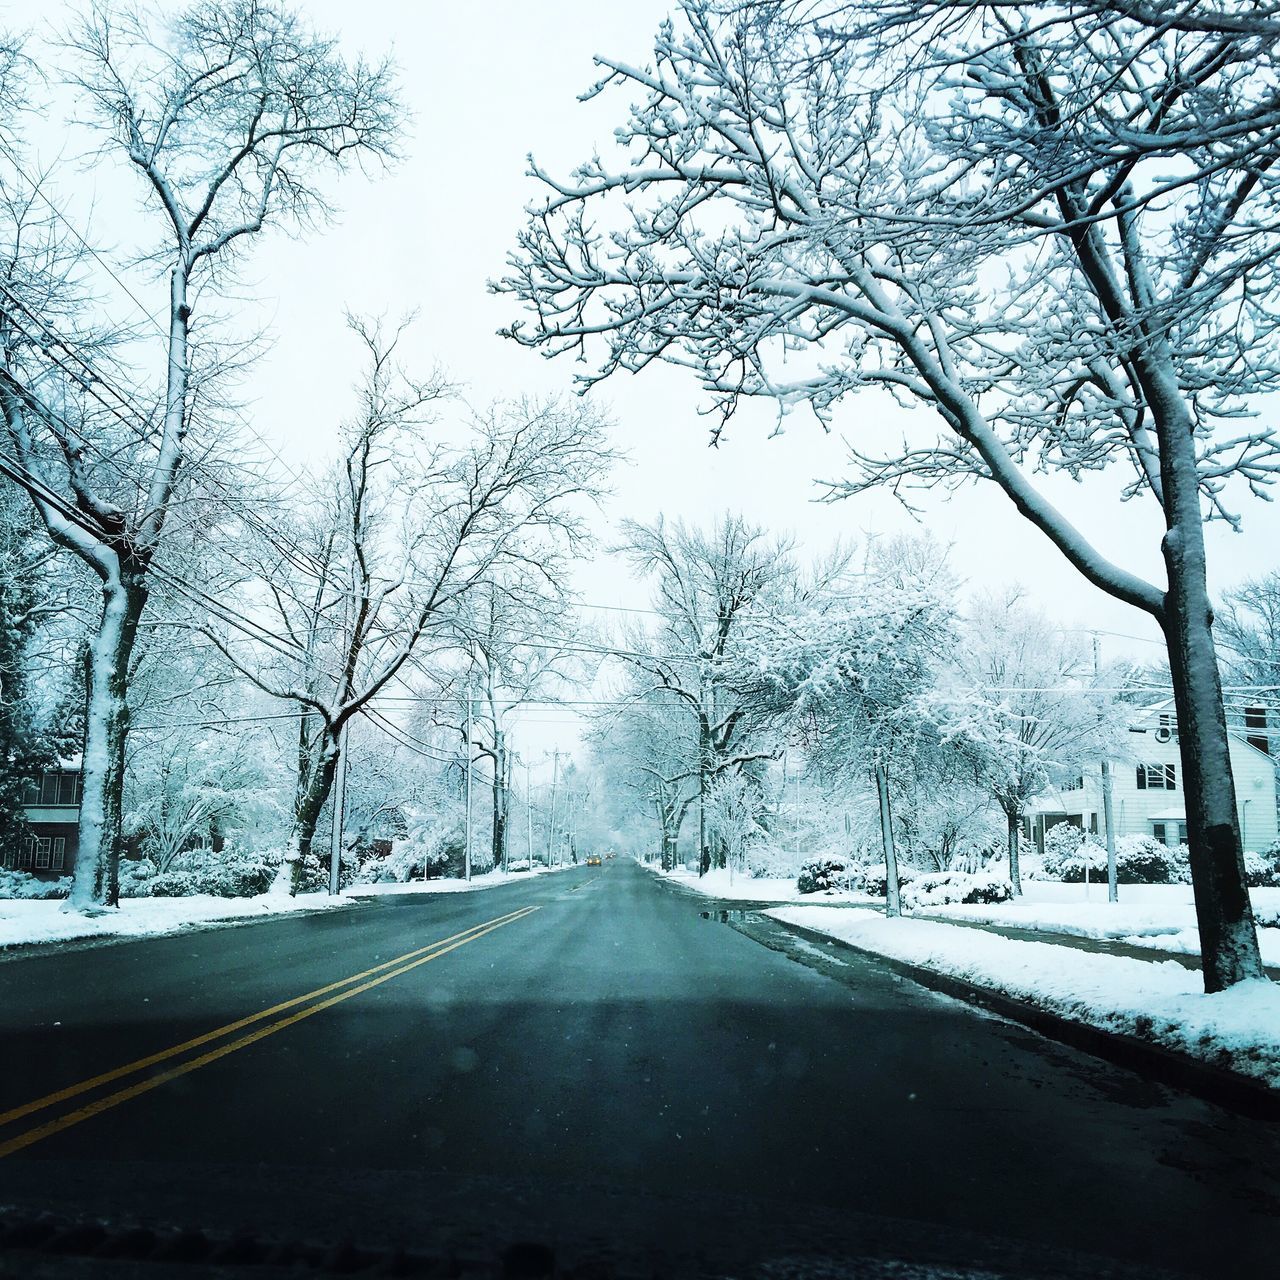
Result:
pixel 141 1064
pixel 100 1105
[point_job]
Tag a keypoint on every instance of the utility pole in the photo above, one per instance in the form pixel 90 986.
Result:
pixel 1113 889
pixel 528 812
pixel 469 754
pixel 339 813
pixel 551 818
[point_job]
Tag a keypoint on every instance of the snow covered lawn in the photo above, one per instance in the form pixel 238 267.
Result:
pixel 24 921
pixel 1160 916
pixel 719 884
pixel 1160 1002
pixel 487 881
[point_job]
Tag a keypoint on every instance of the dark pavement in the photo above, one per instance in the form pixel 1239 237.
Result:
pixel 609 1065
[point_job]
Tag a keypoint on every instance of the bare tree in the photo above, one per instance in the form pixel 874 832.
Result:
pixel 708 585
pixel 521 641
pixel 227 113
pixel 406 533
pixel 1052 226
pixel 1024 703
pixel 850 673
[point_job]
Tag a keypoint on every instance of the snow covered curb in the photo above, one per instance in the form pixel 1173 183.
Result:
pixel 490 880
pixel 26 922
pixel 1138 1004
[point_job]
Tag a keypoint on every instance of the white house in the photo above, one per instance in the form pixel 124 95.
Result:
pixel 1146 788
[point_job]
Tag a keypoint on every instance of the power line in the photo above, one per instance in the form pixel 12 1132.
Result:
pixel 38 190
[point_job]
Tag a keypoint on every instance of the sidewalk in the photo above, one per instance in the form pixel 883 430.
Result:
pixel 1077 942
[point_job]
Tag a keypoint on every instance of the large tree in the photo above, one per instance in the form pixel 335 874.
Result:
pixel 709 586
pixel 227 114
pixel 1051 226
pixel 394 546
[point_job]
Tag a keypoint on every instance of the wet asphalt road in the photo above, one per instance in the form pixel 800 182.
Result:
pixel 610 1062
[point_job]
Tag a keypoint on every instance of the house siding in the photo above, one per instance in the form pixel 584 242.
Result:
pixel 1134 809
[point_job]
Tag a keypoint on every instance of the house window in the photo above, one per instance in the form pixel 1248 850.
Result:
pixel 67 788
pixel 1170 833
pixel 27 855
pixel 31 793
pixel 1255 723
pixel 1157 777
pixel 59 858
pixel 44 851
pixel 49 787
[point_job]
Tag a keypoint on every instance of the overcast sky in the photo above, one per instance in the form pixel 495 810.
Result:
pixel 487 83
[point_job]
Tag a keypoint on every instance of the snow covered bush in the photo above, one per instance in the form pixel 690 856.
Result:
pixel 874 880
pixel 822 875
pixel 1262 870
pixel 408 860
pixel 136 875
pixel 18 884
pixel 939 888
pixel 1139 859
pixel 229 873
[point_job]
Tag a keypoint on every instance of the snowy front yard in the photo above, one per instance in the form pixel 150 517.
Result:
pixel 23 921
pixel 1161 1002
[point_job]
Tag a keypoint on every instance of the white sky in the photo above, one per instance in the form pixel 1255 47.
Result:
pixel 488 83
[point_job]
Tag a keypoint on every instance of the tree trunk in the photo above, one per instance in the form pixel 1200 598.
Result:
pixel 96 881
pixel 893 897
pixel 501 804
pixel 1013 816
pixel 1228 938
pixel 311 802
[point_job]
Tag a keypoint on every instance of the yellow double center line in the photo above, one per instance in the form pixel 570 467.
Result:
pixel 344 988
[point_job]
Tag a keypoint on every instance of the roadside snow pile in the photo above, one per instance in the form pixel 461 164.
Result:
pixel 1159 1002
pixel 486 880
pixel 23 922
pixel 721 883
pixel 940 888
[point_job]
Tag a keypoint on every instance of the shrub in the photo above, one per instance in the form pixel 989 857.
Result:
pixel 874 881
pixel 1262 870
pixel 822 875
pixel 230 873
pixel 408 860
pixel 942 887
pixel 19 884
pixel 1139 860
pixel 136 875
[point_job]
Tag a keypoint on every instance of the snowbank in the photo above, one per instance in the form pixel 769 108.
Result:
pixel 1160 1002
pixel 23 921
pixel 488 880
pixel 723 884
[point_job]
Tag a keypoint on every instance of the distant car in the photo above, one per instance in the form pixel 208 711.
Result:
pixel 594 860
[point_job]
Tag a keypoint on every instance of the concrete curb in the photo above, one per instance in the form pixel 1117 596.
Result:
pixel 1152 1061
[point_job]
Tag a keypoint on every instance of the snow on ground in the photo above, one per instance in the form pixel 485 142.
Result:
pixel 722 883
pixel 1159 916
pixel 25 921
pixel 1155 1001
pixel 488 880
